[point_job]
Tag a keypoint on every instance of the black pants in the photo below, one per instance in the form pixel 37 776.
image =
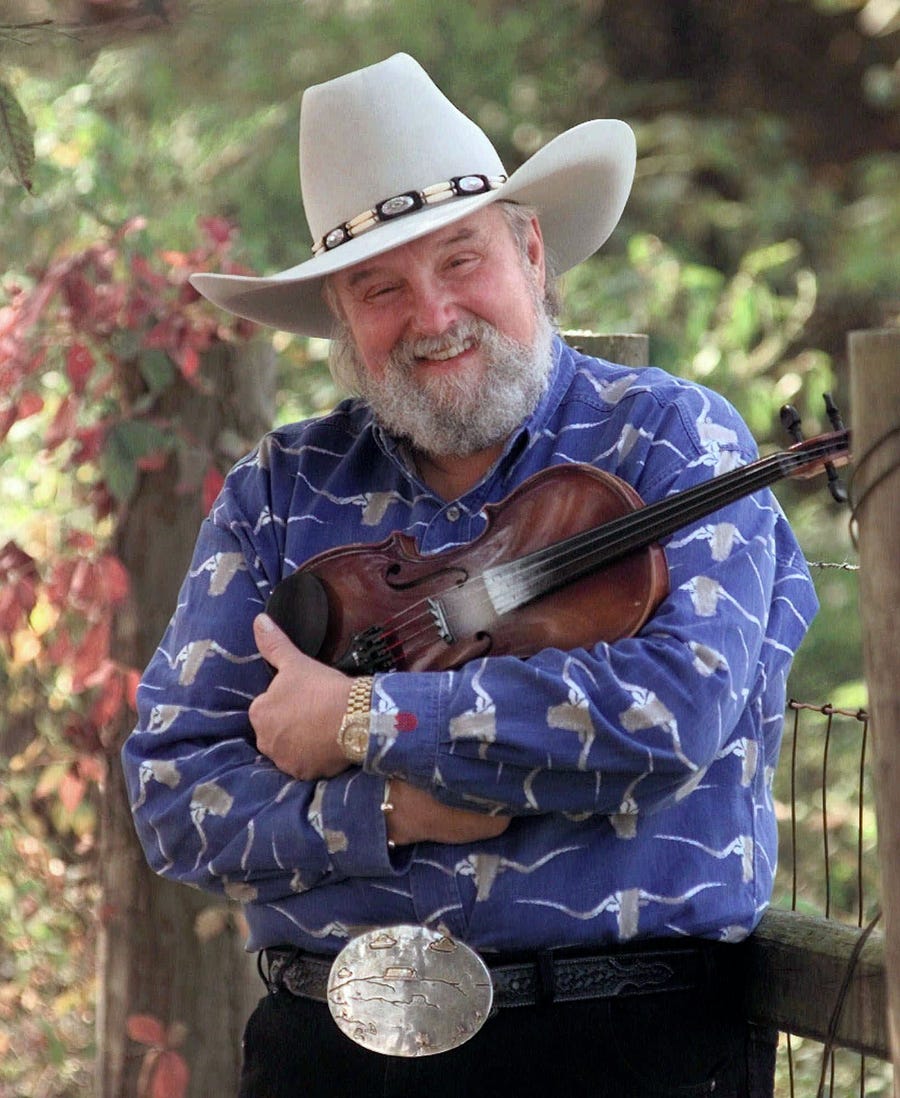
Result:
pixel 682 1044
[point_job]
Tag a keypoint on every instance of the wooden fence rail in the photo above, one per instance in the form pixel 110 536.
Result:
pixel 804 977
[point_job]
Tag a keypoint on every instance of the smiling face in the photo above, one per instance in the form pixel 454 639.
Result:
pixel 447 336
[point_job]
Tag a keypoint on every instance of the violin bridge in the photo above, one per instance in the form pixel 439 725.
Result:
pixel 440 621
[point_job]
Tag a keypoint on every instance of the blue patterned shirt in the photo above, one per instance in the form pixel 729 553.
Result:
pixel 638 774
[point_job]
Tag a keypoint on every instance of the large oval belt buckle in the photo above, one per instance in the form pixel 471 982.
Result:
pixel 409 991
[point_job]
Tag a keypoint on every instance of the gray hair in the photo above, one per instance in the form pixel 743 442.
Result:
pixel 519 218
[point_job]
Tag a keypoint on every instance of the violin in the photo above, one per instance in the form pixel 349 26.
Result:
pixel 570 558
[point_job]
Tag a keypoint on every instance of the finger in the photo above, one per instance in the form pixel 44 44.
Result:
pixel 274 645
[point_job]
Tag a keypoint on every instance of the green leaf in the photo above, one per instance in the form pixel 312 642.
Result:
pixel 119 472
pixel 16 138
pixel 137 437
pixel 157 370
pixel 125 444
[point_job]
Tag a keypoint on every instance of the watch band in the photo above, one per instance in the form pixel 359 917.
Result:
pixel 353 735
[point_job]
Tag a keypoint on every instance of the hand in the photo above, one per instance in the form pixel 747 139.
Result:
pixel 418 817
pixel 298 717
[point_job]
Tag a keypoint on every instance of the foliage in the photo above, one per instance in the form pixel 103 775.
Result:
pixel 16 138
pixel 48 896
pixel 735 333
pixel 88 352
pixel 164 1071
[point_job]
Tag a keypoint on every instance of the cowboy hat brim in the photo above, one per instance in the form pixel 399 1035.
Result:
pixel 578 183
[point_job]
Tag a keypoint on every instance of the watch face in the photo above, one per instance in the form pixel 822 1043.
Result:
pixel 355 736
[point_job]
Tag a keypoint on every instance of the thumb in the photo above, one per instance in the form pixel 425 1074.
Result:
pixel 273 643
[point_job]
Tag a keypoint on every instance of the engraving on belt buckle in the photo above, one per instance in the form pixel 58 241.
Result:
pixel 409 991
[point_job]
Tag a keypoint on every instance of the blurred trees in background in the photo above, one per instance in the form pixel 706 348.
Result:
pixel 763 226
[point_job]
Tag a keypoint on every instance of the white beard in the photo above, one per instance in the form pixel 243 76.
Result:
pixel 456 414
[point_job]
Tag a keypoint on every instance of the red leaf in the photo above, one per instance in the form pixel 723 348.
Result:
pixel 79 296
pixel 114 578
pixel 82 735
pixel 154 462
pixel 92 768
pixel 29 404
pixel 99 675
pixel 71 790
pixel 37 300
pixel 90 443
pixel 133 225
pixel 18 587
pixel 15 563
pixel 109 704
pixel 92 652
pixel 138 308
pixel 63 425
pixel 189 363
pixel 187 294
pixel 146 1030
pixel 212 485
pixel 80 541
pixel 83 585
pixel 8 417
pixel 171 1076
pixel 218 229
pixel 79 366
pixel 60 651
pixel 103 501
pixel 60 581
pixel 141 269
pixel 161 335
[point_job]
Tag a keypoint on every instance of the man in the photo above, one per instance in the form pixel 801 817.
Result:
pixel 592 823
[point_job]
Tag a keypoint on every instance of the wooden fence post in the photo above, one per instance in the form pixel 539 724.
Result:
pixel 625 349
pixel 875 403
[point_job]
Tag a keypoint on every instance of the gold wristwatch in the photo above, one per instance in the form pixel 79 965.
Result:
pixel 353 735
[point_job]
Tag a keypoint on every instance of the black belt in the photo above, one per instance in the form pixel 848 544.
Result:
pixel 546 977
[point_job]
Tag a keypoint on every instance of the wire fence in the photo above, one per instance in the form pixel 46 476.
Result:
pixel 828 868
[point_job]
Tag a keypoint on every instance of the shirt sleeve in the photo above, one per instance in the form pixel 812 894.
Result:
pixel 627 726
pixel 210 810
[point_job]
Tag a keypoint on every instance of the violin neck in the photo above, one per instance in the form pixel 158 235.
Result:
pixel 520 582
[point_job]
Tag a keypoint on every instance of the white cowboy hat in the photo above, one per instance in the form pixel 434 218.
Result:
pixel 385 158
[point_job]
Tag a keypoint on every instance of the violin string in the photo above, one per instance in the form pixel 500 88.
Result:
pixel 644 525
pixel 591 549
pixel 512 585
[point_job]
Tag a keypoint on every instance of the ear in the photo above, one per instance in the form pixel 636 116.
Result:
pixel 535 252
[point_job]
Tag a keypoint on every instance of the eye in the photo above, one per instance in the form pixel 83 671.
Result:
pixel 381 291
pixel 462 262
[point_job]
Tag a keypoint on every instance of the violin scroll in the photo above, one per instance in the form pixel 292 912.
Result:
pixel 790 420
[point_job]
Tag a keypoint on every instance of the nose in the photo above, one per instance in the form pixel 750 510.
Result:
pixel 433 308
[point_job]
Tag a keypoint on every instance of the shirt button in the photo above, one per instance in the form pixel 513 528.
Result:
pixel 452 514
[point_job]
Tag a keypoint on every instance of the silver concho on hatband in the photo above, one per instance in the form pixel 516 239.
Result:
pixel 405 203
pixel 409 991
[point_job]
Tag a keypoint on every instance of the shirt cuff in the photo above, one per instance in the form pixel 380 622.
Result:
pixel 405 730
pixel 354 827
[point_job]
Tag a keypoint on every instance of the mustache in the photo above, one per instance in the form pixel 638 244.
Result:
pixel 459 337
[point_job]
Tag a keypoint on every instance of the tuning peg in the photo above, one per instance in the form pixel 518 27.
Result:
pixel 790 421
pixel 838 491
